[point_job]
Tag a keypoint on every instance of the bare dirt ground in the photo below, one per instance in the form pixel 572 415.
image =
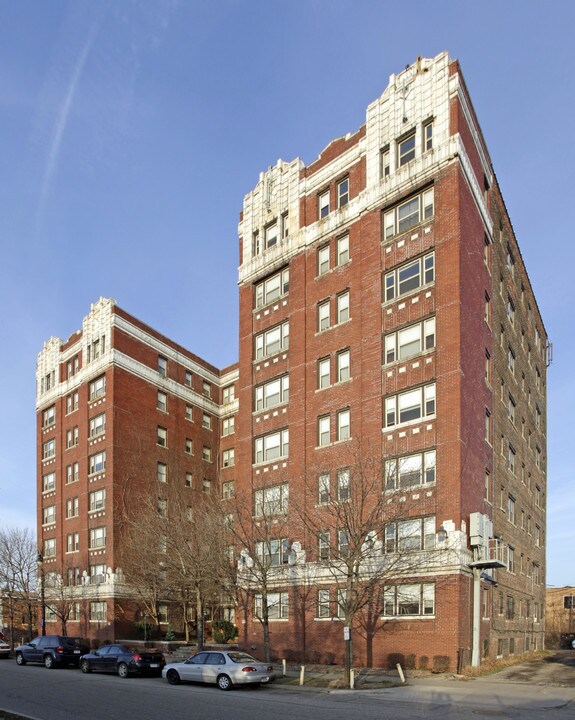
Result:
pixel 557 669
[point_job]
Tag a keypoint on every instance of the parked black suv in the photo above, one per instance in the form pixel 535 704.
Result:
pixel 52 651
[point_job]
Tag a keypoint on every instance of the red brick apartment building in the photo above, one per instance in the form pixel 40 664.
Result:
pixel 386 319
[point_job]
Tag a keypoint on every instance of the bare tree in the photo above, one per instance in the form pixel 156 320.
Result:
pixel 18 572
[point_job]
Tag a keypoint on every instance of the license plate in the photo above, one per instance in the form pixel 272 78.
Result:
pixel 154 664
pixel 76 652
pixel 265 679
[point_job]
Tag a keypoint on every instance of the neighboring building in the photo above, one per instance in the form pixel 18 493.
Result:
pixel 17 616
pixel 119 408
pixel 384 304
pixel 386 316
pixel 560 616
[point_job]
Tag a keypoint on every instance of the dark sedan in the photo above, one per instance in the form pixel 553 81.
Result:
pixel 123 661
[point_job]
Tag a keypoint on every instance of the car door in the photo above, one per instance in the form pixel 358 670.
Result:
pixel 192 669
pixel 98 662
pixel 113 657
pixel 214 666
pixel 33 651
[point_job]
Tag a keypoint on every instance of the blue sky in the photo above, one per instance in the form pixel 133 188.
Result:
pixel 131 131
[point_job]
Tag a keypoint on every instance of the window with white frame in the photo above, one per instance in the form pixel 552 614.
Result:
pixel 98 425
pixel 272 288
pixel 409 277
pixel 323 315
pixel 206 389
pixel 162 437
pixel 97 500
pixel 343 425
pixel 510 310
pixel 162 366
pixel 49 482
pixel 272 393
pixel 323 373
pixel 272 446
pixel 162 472
pixel 49 515
pixel 73 542
pixel 271 501
pixel 511 360
pixel 342 303
pixel 206 421
pixel 511 404
pixel 49 548
pixel 162 401
pixel 72 402
pixel 409 599
pixel 272 553
pixel 343 543
pixel 188 379
pixel 342 245
pixel 341 603
pixel 511 455
pixel 72 437
pixel 97 462
pixel 228 394
pixel 98 537
pixel 511 509
pixel 323 260
pixel 98 611
pixel 162 507
pixel 410 406
pixel 206 453
pixel 343 484
pixel 228 457
pixel 189 446
pixel 277 604
pixel 428 136
pixel 272 341
pixel 343 365
pixel 228 490
pixel 410 535
pixel 406 149
pixel 323 546
pixel 188 479
pixel 271 233
pixel 48 449
pixel 323 431
pixel 228 426
pixel 323 604
pixel 343 192
pixel 98 387
pixel 323 204
pixel 49 416
pixel 410 470
pixel 323 488
pixel 408 214
pixel 96 348
pixel 189 413
pixel 410 341
pixel 72 507
pixel 98 573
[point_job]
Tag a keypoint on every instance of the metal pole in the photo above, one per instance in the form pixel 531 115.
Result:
pixel 42 594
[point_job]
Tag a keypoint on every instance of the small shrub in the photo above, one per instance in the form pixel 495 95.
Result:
pixel 440 663
pixel 423 662
pixel 223 631
pixel 394 658
pixel 410 662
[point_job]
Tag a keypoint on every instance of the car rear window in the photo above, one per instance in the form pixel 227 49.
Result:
pixel 241 657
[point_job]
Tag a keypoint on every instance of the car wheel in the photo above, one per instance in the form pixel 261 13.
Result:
pixel 224 683
pixel 48 662
pixel 173 677
pixel 123 670
pixel 20 659
pixel 85 666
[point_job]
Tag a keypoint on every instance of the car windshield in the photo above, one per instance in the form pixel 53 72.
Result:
pixel 238 657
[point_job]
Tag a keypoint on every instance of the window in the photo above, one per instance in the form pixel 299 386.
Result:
pixel 537 496
pixel 511 509
pixel 96 348
pixel 277 603
pixel 343 193
pixel 72 507
pixel 98 611
pixel 272 341
pixel 285 224
pixel 49 547
pixel 71 437
pixel 228 394
pixel 48 449
pixel 323 204
pixel 206 389
pixel 410 535
pixel 341 603
pixel 97 462
pixel 343 425
pixel 271 501
pixel 206 421
pixel 409 277
pixel 49 416
pixel 415 599
pixel 98 387
pixel 323 260
pixel 189 413
pixel 342 365
pixel 49 482
pixel 228 457
pixel 98 537
pixel 323 315
pixel 272 446
pixel 162 401
pixel 162 366
pixel 162 437
pixel 273 393
pixel 385 162
pixel 188 379
pixel 189 446
pixel 428 136
pixel 343 307
pixel 488 427
pixel 98 573
pixel 408 214
pixel 273 553
pixel 410 341
pixel 162 472
pixel 537 536
pixel 511 408
pixel 323 604
pixel 511 459
pixel 271 235
pixel 510 310
pixel 188 480
pixel 343 543
pixel 98 425
pixel 71 402
pixel 272 288
pixel 488 367
pixel 228 426
pixel 323 548
pixel 323 489
pixel 206 454
pixel 72 366
pixel 228 490
pixel 487 253
pixel 510 610
pixel 511 360
pixel 73 542
pixel 342 246
pixel 49 515
pixel 487 490
pixel 162 507
pixel 410 471
pixel 97 500
pixel 343 485
pixel 323 431
pixel 487 310
pixel 323 373
pixel 406 149
pixel 256 245
pixel 410 406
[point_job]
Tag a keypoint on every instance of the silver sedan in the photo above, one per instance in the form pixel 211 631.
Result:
pixel 225 669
